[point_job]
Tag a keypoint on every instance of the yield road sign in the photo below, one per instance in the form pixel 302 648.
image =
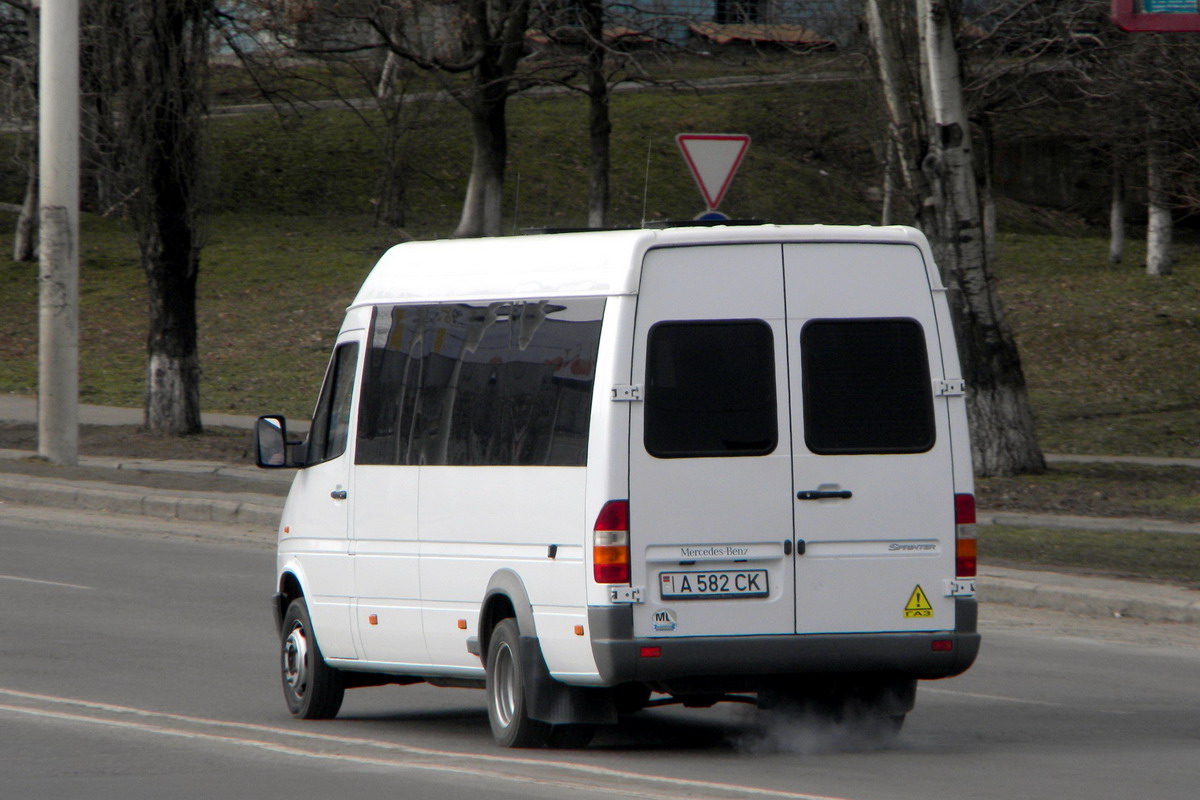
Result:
pixel 713 159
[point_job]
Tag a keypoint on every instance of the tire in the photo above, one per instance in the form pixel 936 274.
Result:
pixel 508 712
pixel 312 688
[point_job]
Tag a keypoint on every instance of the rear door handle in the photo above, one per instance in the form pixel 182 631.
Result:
pixel 338 494
pixel 824 494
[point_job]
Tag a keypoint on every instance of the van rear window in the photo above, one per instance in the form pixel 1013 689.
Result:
pixel 506 383
pixel 710 389
pixel 866 387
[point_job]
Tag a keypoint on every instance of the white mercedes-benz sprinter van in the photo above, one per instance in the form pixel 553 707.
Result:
pixel 597 471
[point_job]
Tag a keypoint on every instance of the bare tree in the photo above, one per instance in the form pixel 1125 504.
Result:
pixel 1137 104
pixel 483 40
pixel 19 58
pixel 1116 215
pixel 1160 227
pixel 947 206
pixel 486 43
pixel 148 64
pixel 586 52
pixel 269 42
pixel 893 39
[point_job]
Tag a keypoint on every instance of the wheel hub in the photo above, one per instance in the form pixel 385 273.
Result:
pixel 295 660
pixel 504 701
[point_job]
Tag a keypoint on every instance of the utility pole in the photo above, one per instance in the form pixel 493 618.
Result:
pixel 58 277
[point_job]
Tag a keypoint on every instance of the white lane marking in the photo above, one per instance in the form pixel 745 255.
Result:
pixel 994 697
pixel 44 583
pixel 343 758
pixel 577 776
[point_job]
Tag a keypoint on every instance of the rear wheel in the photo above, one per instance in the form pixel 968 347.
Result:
pixel 312 688
pixel 508 711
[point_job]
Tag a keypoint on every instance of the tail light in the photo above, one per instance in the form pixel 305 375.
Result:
pixel 610 543
pixel 964 535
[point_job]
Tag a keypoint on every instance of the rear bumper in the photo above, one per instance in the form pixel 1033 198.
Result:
pixel 742 662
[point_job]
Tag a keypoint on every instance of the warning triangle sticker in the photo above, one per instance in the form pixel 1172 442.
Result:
pixel 713 159
pixel 918 605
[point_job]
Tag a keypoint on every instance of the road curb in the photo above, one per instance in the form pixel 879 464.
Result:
pixel 1019 519
pixel 248 509
pixel 1097 597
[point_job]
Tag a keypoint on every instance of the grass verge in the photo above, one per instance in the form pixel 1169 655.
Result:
pixel 1098 490
pixel 1171 558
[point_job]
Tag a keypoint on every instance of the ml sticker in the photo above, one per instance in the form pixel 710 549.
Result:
pixel 918 605
pixel 664 620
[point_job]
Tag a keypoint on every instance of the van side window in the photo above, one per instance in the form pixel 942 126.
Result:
pixel 331 422
pixel 506 383
pixel 866 387
pixel 710 389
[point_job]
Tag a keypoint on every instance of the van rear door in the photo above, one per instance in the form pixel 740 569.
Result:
pixel 789 467
pixel 710 467
pixel 871 456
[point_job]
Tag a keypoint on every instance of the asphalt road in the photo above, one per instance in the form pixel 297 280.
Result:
pixel 138 661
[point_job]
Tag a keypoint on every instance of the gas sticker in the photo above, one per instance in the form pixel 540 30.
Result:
pixel 918 605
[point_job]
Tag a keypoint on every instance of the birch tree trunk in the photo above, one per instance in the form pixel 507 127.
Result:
pixel 885 29
pixel 1003 440
pixel 25 234
pixel 1116 216
pixel 173 361
pixel 175 57
pixel 1159 230
pixel 497 33
pixel 483 204
pixel 886 213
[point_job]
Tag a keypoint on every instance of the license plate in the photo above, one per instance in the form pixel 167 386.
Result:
pixel 717 585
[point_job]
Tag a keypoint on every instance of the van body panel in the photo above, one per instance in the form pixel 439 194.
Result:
pixel 315 533
pixel 568 654
pixel 607 474
pixel 703 664
pixel 325 573
pixel 316 547
pixel 503 269
pixel 527 519
pixel 386 552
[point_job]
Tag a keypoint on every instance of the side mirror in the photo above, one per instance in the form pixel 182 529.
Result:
pixel 271 444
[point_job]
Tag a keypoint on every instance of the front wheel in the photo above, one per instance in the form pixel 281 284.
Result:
pixel 508 711
pixel 312 688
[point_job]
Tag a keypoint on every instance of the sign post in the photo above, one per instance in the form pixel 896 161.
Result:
pixel 58 225
pixel 713 158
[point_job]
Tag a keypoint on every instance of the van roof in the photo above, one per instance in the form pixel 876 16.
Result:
pixel 579 264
